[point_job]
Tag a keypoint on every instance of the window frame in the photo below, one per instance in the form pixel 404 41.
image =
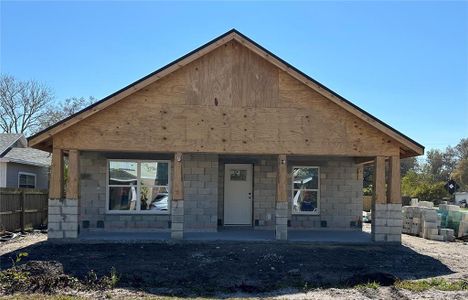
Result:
pixel 138 211
pixel 313 190
pixel 27 174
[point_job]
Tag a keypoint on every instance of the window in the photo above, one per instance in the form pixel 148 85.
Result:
pixel 138 186
pixel 26 180
pixel 238 175
pixel 305 190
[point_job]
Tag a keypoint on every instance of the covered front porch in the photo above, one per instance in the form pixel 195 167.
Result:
pixel 235 235
pixel 203 190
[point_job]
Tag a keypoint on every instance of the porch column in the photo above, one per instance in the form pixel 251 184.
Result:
pixel 73 174
pixel 282 199
pixel 56 174
pixel 379 202
pixel 394 214
pixel 54 218
pixel 386 204
pixel 177 204
pixel 70 206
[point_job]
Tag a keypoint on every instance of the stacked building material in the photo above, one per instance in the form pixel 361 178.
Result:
pixel 422 220
pixel 430 224
pixel 454 218
pixel 411 220
pixel 448 234
pixel 440 224
pixel 463 228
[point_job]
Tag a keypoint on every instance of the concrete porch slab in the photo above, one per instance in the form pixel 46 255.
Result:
pixel 238 234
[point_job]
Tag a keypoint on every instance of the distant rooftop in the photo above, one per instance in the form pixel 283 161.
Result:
pixel 7 140
pixel 28 156
pixel 12 151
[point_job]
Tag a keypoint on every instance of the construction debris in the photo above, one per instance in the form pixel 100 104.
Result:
pixel 439 224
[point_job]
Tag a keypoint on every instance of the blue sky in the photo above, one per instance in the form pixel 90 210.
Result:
pixel 404 62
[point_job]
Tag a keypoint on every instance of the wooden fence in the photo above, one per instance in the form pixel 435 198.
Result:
pixel 23 209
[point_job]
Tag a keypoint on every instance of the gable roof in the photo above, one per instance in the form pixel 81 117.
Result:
pixel 408 147
pixel 28 156
pixel 7 140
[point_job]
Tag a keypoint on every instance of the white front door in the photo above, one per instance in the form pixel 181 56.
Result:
pixel 238 194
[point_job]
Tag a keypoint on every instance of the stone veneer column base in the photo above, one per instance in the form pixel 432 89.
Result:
pixel 387 223
pixel 63 219
pixel 177 219
pixel 281 221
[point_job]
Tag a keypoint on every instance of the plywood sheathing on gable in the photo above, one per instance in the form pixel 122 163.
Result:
pixel 228 101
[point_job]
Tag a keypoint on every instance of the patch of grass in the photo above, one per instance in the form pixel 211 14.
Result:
pixel 370 285
pixel 441 284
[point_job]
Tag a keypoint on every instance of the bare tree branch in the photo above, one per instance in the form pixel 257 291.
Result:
pixel 22 104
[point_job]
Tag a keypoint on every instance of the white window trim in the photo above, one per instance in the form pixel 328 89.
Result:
pixel 315 190
pixel 138 212
pixel 27 174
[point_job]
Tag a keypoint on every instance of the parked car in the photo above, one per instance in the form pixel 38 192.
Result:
pixel 160 202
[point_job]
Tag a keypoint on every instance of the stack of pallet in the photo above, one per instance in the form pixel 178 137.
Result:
pixel 463 228
pixel 430 225
pixel 448 234
pixel 454 218
pixel 411 220
pixel 422 220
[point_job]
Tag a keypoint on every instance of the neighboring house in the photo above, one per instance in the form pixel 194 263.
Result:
pixel 228 135
pixel 20 166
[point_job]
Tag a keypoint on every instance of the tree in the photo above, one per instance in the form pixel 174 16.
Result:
pixel 440 164
pixel 461 150
pixel 63 110
pixel 408 164
pixel 460 174
pixel 22 104
pixel 422 186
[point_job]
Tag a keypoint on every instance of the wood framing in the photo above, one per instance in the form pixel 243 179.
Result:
pixel 73 184
pixel 228 96
pixel 282 179
pixel 394 180
pixel 56 174
pixel 379 180
pixel 177 183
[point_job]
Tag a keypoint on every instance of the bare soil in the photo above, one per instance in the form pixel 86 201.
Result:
pixel 284 270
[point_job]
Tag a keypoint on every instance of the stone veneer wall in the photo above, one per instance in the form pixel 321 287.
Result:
pixel 200 176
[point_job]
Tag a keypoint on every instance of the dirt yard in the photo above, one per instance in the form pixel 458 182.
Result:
pixel 240 270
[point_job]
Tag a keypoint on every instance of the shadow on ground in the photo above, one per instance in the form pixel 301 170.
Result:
pixel 228 267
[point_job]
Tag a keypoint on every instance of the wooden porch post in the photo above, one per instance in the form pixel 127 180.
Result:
pixel 282 199
pixel 379 202
pixel 379 180
pixel 56 175
pixel 177 204
pixel 394 180
pixel 394 213
pixel 73 184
